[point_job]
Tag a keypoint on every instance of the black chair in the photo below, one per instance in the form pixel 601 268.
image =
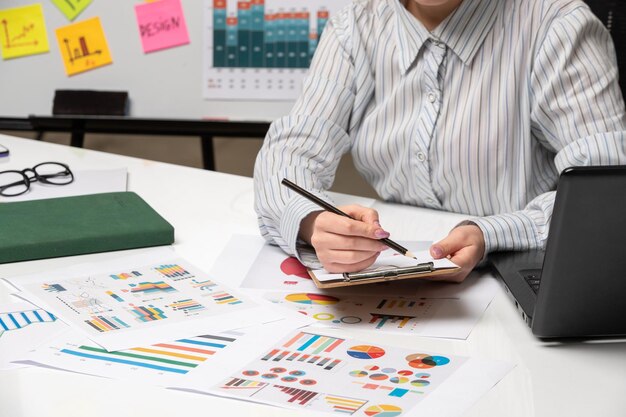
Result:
pixel 86 103
pixel 613 15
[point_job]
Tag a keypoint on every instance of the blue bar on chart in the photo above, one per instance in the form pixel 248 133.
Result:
pixel 219 33
pixel 19 319
pixel 257 38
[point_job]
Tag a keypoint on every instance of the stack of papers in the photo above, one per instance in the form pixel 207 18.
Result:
pixel 157 318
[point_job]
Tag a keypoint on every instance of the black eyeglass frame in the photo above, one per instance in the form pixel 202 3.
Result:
pixel 36 177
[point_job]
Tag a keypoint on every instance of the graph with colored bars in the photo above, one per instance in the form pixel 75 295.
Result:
pixel 246 385
pixel 115 296
pixel 261 49
pixel 147 313
pixel 225 298
pixel 174 272
pixel 187 306
pixel 344 405
pixel 206 285
pixel 307 348
pixel 380 319
pixel 313 343
pixel 106 323
pixel 297 395
pixel 126 275
pixel 20 319
pixel 258 37
pixel 151 288
pixel 178 357
pixel 53 287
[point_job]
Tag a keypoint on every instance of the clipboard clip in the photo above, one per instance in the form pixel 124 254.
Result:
pixel 389 273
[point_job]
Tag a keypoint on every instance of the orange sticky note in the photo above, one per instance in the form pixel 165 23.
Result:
pixel 23 31
pixel 83 46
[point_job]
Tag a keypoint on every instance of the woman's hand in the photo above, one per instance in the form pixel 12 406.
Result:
pixel 465 246
pixel 343 244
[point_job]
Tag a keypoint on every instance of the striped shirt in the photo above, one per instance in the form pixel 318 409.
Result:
pixel 478 116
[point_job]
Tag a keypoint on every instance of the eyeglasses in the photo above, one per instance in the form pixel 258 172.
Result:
pixel 13 183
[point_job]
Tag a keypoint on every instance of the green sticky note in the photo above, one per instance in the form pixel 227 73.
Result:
pixel 71 8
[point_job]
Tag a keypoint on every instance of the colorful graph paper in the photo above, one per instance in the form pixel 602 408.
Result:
pixel 178 357
pixel 254 37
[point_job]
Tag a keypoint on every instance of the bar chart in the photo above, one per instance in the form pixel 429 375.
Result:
pixel 177 357
pixel 261 49
pixel 256 37
pixel 21 319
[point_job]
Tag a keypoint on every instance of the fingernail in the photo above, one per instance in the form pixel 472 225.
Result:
pixel 381 234
pixel 436 251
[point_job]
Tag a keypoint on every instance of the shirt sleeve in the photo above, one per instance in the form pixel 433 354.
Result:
pixel 577 113
pixel 306 146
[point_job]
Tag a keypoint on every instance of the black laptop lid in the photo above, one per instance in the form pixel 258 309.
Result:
pixel 583 284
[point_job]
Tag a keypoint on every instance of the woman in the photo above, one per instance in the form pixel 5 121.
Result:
pixel 471 106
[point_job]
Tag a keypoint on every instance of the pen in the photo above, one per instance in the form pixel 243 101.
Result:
pixel 329 207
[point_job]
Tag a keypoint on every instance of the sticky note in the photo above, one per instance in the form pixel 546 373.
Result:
pixel 23 31
pixel 71 8
pixel 161 25
pixel 83 46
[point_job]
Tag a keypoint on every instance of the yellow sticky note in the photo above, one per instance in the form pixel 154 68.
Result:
pixel 83 46
pixel 23 31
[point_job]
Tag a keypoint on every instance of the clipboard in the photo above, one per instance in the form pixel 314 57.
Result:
pixel 385 274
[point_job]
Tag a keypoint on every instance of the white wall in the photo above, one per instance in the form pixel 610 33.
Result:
pixel 164 84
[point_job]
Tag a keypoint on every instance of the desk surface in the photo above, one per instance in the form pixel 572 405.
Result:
pixel 549 379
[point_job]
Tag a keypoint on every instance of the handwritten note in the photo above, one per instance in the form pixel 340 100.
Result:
pixel 23 31
pixel 83 46
pixel 161 25
pixel 71 8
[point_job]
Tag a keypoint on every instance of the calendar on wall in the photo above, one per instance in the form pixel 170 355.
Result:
pixel 261 49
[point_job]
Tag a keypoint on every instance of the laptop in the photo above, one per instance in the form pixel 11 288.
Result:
pixel 577 286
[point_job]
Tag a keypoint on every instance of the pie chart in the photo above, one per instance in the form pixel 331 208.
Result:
pixel 425 361
pixel 292 266
pixel 366 352
pixel 383 410
pixel 310 298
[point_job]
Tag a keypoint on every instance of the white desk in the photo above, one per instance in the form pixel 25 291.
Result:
pixel 575 379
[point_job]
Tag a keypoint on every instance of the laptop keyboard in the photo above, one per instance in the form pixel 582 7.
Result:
pixel 533 278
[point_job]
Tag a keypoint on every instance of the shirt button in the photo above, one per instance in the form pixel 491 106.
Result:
pixel 430 200
pixel 421 156
pixel 432 97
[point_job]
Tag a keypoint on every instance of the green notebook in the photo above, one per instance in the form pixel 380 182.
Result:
pixel 77 225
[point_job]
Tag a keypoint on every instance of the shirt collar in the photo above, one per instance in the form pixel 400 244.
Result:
pixel 463 31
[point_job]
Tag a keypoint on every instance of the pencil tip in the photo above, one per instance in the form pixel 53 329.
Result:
pixel 409 254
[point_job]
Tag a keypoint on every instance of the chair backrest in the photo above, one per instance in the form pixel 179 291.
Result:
pixel 613 15
pixel 90 102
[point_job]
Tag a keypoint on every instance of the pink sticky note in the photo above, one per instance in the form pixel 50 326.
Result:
pixel 161 25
